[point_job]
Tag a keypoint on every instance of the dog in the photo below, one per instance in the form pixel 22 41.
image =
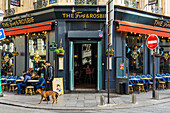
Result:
pixel 45 94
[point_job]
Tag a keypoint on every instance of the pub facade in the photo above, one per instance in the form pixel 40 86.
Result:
pixel 80 35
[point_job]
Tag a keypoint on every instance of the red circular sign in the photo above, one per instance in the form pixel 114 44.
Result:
pixel 152 41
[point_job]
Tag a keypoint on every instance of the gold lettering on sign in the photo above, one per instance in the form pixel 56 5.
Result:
pixel 24 21
pixel 162 23
pixel 81 15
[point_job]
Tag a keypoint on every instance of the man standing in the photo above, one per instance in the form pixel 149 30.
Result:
pixel 49 76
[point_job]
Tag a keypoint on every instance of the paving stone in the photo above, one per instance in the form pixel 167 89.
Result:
pixel 90 104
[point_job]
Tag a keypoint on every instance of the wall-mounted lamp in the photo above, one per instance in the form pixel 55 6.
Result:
pixel 18 17
pixel 75 56
pixel 28 15
pixel 161 18
pixel 73 10
pixel 98 10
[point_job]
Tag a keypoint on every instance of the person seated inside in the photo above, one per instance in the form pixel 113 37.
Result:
pixel 23 83
pixel 34 76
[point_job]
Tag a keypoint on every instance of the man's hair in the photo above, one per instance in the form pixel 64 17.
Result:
pixel 24 72
pixel 47 62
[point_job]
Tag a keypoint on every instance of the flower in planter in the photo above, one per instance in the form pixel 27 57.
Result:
pixel 111 51
pixel 59 50
pixel 15 53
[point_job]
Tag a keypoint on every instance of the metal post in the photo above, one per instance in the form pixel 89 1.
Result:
pixel 15 63
pixel 154 96
pixel 1 94
pixel 108 76
pixel 1 19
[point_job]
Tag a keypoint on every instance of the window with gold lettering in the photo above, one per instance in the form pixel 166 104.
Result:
pixel 86 2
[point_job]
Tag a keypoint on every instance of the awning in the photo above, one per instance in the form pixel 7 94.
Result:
pixel 28 29
pixel 143 29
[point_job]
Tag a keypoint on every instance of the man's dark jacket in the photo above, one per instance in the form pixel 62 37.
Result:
pixel 49 76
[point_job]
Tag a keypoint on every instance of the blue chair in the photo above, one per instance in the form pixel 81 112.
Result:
pixel 131 86
pixel 40 84
pixel 150 81
pixel 161 81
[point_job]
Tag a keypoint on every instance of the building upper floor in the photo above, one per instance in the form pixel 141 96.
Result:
pixel 160 7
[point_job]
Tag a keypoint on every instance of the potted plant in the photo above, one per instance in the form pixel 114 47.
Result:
pixel 111 51
pixel 60 51
pixel 15 53
pixel 158 55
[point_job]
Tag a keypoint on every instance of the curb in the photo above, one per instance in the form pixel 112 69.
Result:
pixel 99 107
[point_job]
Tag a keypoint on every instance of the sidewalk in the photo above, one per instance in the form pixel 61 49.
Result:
pixel 85 101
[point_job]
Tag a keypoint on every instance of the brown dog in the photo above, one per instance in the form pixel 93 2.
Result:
pixel 45 94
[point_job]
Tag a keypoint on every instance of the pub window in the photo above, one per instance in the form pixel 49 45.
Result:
pixel 134 52
pixel 165 55
pixel 37 51
pixel 7 55
pixel 86 2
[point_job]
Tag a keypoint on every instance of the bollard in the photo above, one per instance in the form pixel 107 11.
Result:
pixel 157 94
pixel 101 100
pixel 133 98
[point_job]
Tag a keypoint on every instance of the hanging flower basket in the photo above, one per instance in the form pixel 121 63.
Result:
pixel 60 54
pixel 111 51
pixel 60 51
pixel 111 54
pixel 15 53
pixel 158 55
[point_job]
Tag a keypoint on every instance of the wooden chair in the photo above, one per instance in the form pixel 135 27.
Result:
pixel 4 85
pixel 140 87
pixel 12 87
pixel 130 89
pixel 30 90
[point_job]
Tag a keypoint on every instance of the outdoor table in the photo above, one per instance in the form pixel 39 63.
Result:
pixel 134 79
pixel 19 80
pixel 32 81
pixel 10 79
pixel 146 78
pixel 158 77
pixel 166 76
pixel 3 78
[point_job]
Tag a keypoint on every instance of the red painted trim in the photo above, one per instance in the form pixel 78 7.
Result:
pixel 143 29
pixel 28 29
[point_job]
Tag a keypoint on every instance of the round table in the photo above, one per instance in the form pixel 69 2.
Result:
pixel 10 79
pixel 145 78
pixel 32 81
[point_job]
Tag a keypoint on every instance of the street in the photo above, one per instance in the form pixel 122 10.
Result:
pixel 158 108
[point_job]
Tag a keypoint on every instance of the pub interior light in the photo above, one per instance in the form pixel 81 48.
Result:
pixel 73 10
pixel 98 10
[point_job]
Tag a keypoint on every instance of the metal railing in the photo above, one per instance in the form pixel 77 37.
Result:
pixel 156 9
pixel 10 12
pixel 40 4
pixel 85 2
pixel 131 3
